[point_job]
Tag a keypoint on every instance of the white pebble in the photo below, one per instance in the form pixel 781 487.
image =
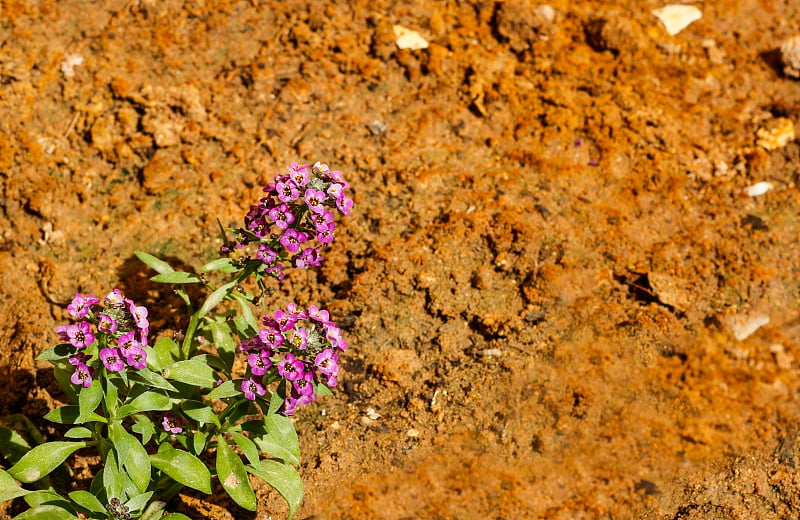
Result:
pixel 743 325
pixel 408 39
pixel 758 188
pixel 677 17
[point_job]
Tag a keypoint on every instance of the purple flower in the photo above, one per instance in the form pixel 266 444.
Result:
pixel 290 368
pixel 282 216
pixel 253 343
pixel 315 200
pixel 126 341
pixel 336 191
pixel 253 387
pixel 299 339
pixel 287 191
pixel 345 205
pixel 139 315
pixel 82 376
pixel 299 174
pixel 266 254
pixel 291 239
pixel 309 257
pixel 61 330
pixel 285 320
pixel 320 169
pixel 107 324
pixel 259 363
pixel 294 309
pixel 81 304
pixel 325 237
pixel 79 359
pixel 80 335
pixel 271 337
pixel 305 384
pixel 172 424
pixel 136 356
pixel 322 221
pixel 114 298
pixel 112 359
pixel 276 271
pixel 143 332
pixel 327 362
pixel 321 315
pixel 291 403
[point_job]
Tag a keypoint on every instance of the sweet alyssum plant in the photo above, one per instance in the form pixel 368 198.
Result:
pixel 181 411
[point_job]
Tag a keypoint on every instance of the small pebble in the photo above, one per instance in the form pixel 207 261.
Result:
pixel 413 433
pixel 777 133
pixel 758 188
pixel 408 39
pixel 790 55
pixel 677 17
pixel 744 324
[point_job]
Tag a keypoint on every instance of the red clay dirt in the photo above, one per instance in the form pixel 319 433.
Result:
pixel 549 254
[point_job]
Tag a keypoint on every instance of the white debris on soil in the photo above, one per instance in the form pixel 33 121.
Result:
pixel 377 127
pixel 758 188
pixel 790 55
pixel 744 324
pixel 408 39
pixel 70 62
pixel 372 414
pixel 777 133
pixel 413 433
pixel 677 17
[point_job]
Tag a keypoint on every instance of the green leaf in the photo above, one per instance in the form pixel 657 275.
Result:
pixel 226 347
pixel 121 440
pixel 156 264
pixel 175 516
pixel 247 446
pixel 226 389
pixel 111 396
pixel 146 402
pixel 321 389
pixel 88 400
pixel 198 442
pixel 220 264
pixel 176 277
pixel 165 352
pixel 78 432
pixel 284 478
pixel 215 297
pixel 12 445
pixel 233 476
pixel 247 314
pixel 69 415
pixel 138 502
pixel 147 376
pixel 144 427
pixel 281 429
pixel 88 501
pixel 200 412
pixel 183 467
pixel 46 497
pixel 46 512
pixel 194 372
pixel 63 376
pixel 137 464
pixel 57 353
pixel 9 489
pixel 113 478
pixel 43 459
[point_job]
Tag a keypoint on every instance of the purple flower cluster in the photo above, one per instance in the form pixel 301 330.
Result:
pixel 297 212
pixel 298 346
pixel 119 338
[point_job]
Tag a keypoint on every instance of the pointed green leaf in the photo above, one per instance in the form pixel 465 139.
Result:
pixel 146 402
pixel 88 400
pixel 247 446
pixel 226 389
pixel 147 376
pixel 137 464
pixel 43 459
pixel 138 502
pixel 144 427
pixel 200 412
pixel 9 489
pixel 226 348
pixel 183 467
pixel 194 372
pixel 176 277
pixel 156 264
pixel 12 445
pixel 69 415
pixel 233 476
pixel 220 264
pixel 88 501
pixel 321 389
pixel 216 297
pixel 284 478
pixel 57 353
pixel 198 442
pixel 247 313
pixel 46 512
pixel 175 516
pixel 121 440
pixel 165 352
pixel 78 432
pixel 281 429
pixel 113 478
